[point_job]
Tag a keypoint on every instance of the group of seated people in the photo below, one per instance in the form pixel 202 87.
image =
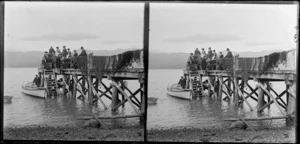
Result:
pixel 198 60
pixel 61 59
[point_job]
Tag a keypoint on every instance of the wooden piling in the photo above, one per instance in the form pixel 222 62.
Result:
pixel 209 86
pixel 220 88
pixel 260 99
pixel 115 99
pixel 123 97
pixel 55 79
pixel 268 98
pixel 41 79
pixel 143 99
pixel 229 85
pixel 89 78
pixel 235 89
pixel 201 83
pixel 287 93
pixel 64 85
pixel 83 85
pixel 242 86
pixel 74 86
pixel 90 95
pixel 291 105
pixel 187 81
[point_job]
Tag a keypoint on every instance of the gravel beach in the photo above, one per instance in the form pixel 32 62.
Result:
pixel 126 133
pixel 265 135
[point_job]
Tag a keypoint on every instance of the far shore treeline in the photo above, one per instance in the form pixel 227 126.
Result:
pixel 177 60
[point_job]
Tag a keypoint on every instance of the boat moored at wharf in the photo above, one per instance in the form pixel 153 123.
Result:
pixel 177 91
pixel 32 90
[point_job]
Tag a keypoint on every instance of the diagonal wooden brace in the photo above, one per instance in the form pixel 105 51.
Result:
pixel 277 94
pixel 271 96
pixel 226 92
pixel 124 101
pixel 245 100
pixel 99 98
pixel 250 95
pixel 271 102
pixel 137 101
pixel 129 100
pixel 252 90
pixel 104 93
pixel 212 88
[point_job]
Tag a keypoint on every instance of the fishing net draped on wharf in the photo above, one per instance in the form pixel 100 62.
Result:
pixel 227 79
pixel 83 78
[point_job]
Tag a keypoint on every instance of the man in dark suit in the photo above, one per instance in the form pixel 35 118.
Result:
pixel 83 52
pixel 229 54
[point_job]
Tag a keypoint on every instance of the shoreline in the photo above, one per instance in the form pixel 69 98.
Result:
pixel 73 133
pixel 269 135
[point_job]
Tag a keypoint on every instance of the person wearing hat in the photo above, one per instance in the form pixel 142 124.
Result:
pixel 75 53
pixel 64 52
pixel 58 52
pixel 51 50
pixel 214 55
pixel 190 59
pixel 221 55
pixel 74 60
pixel 69 53
pixel 203 53
pixel 44 59
pixel 229 54
pixel 36 80
pixel 209 54
pixel 182 82
pixel 199 63
pixel 83 52
pixel 197 53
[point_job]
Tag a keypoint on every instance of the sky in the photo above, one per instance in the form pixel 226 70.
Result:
pixel 174 27
pixel 241 27
pixel 35 26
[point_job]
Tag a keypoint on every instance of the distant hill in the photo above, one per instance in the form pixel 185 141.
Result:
pixel 156 60
pixel 33 58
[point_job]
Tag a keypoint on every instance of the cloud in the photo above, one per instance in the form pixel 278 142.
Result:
pixel 258 43
pixel 62 37
pixel 115 41
pixel 203 38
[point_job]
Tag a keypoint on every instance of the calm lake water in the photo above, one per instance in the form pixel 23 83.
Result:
pixel 26 110
pixel 170 112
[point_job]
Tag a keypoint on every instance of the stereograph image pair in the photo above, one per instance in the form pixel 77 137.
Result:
pixel 149 72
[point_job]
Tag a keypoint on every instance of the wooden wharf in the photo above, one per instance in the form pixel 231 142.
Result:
pixel 84 82
pixel 229 83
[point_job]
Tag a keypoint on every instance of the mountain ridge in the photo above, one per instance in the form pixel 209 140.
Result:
pixel 176 60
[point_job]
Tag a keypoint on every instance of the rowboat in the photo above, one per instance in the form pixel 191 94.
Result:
pixel 152 100
pixel 7 99
pixel 177 91
pixel 32 90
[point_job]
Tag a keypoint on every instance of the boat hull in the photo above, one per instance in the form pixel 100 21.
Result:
pixel 39 92
pixel 174 91
pixel 152 100
pixel 7 99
